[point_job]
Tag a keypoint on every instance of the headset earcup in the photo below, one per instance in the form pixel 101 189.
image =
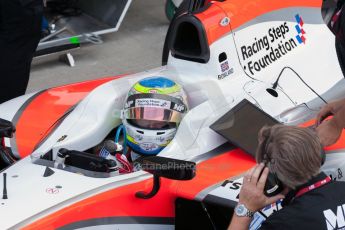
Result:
pixel 273 185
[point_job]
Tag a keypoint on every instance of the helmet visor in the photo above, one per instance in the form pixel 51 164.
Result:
pixel 153 114
pixel 152 125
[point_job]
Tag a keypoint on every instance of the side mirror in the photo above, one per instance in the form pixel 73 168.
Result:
pixel 164 167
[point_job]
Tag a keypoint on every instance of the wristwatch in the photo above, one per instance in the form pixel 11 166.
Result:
pixel 241 210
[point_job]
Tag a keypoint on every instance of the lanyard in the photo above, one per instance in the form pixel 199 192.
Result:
pixel 313 186
pixel 335 17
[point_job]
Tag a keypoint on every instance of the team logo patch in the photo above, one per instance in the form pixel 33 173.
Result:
pixel 104 152
pixel 224 66
pixel 151 102
pixel 299 28
pixel 335 218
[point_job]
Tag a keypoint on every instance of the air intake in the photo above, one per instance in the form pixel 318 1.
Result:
pixel 189 40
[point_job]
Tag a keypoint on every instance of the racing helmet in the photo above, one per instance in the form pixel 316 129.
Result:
pixel 152 113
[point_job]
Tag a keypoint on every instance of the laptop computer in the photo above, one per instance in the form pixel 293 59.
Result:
pixel 241 125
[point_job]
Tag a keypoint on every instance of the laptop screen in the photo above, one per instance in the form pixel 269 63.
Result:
pixel 241 125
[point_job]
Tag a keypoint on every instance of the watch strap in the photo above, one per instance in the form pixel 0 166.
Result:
pixel 250 213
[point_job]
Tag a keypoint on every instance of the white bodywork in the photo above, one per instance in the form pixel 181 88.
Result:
pixel 210 96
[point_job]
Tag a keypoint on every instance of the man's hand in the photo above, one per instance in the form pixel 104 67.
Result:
pixel 252 191
pixel 329 110
pixel 329 132
pixel 252 196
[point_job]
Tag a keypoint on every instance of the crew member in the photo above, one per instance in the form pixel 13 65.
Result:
pixel 312 200
pixel 330 130
pixel 20 32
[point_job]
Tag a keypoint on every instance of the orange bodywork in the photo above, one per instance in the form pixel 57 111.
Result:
pixel 241 12
pixel 211 19
pixel 41 114
pixel 121 202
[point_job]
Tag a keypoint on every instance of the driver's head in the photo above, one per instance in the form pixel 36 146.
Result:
pixel 294 154
pixel 153 110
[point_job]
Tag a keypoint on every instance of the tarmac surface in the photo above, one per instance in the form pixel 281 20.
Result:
pixel 136 47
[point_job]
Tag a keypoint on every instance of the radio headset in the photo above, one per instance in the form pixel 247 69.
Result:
pixel 273 185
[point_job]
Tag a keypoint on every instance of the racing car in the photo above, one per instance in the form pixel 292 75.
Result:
pixel 277 57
